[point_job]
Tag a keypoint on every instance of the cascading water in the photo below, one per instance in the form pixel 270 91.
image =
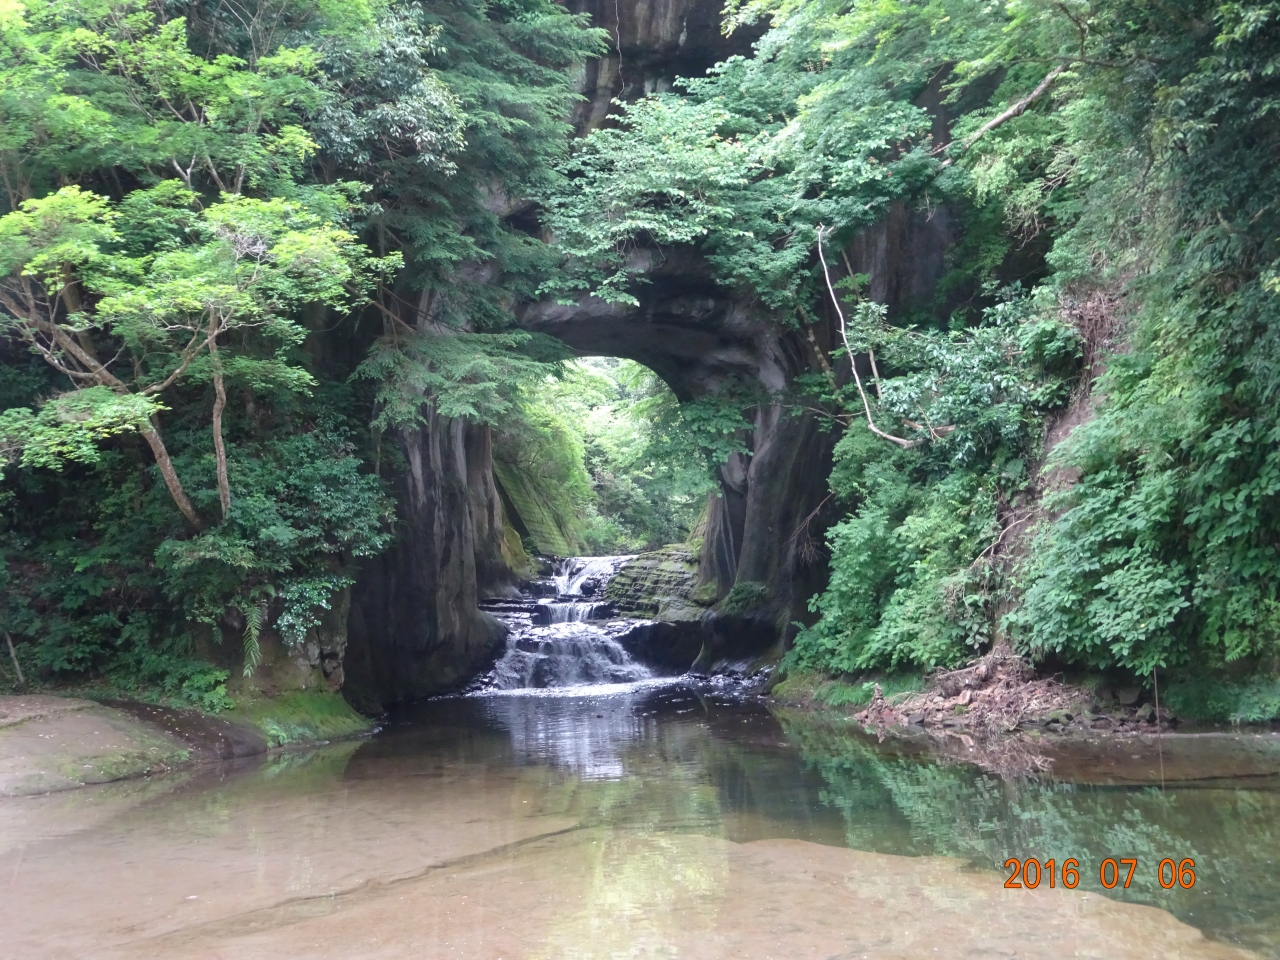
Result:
pixel 571 640
pixel 547 613
pixel 565 655
pixel 574 575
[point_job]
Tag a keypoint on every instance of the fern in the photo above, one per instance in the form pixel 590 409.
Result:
pixel 253 617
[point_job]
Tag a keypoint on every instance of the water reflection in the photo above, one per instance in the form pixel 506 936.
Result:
pixel 637 821
pixel 683 759
pixel 585 734
pixel 898 801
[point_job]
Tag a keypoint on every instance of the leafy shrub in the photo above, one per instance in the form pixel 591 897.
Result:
pixel 1212 698
pixel 908 587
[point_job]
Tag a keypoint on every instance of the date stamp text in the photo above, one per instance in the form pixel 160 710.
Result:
pixel 1030 873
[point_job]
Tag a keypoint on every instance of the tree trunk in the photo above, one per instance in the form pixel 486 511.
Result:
pixel 219 404
pixel 170 475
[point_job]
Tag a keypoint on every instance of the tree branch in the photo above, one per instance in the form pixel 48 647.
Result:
pixel 152 434
pixel 1017 110
pixel 853 362
pixel 17 668
pixel 219 404
pixel 169 474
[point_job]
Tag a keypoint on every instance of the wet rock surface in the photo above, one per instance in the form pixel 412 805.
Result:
pixel 50 744
pixel 209 738
pixel 660 584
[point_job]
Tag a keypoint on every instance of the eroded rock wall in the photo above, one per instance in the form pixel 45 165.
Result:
pixel 765 526
pixel 414 627
pixel 654 42
pixel 765 530
pixel 661 583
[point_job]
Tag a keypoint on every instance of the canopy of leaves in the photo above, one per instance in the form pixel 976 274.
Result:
pixel 198 215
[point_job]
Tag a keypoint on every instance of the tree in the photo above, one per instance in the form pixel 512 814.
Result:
pixel 72 292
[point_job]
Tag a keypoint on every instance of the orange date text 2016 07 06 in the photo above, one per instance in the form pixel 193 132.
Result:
pixel 1030 873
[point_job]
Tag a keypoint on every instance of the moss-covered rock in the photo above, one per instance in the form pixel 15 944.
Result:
pixel 803 688
pixel 303 717
pixel 50 743
pixel 544 519
pixel 658 585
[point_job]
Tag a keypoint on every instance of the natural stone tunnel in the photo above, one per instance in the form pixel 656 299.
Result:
pixel 414 627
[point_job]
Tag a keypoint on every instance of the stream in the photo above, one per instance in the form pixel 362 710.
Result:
pixel 576 805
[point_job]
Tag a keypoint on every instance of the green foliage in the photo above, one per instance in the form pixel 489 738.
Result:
pixel 653 459
pixel 602 458
pixel 1165 553
pixel 446 338
pixel 200 216
pixel 474 375
pixel 244 266
pixel 744 596
pixel 308 506
pixel 173 680
pixel 538 456
pixel 1136 166
pixel 1223 701
pixel 188 211
pixel 681 184
pixel 722 169
pixel 910 585
pixel 69 427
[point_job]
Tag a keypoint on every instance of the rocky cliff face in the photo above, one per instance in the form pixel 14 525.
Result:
pixel 765 530
pixel 654 42
pixel 698 337
pixel 414 628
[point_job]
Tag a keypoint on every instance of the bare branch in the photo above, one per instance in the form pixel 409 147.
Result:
pixel 853 363
pixel 22 681
pixel 1017 110
pixel 219 404
pixel 189 353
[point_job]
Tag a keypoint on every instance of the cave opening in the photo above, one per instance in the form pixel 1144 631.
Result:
pixel 604 459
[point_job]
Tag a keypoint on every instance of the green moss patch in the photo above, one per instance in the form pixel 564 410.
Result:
pixel 303 717
pixel 544 509
pixel 659 583
pixel 816 688
pixel 744 596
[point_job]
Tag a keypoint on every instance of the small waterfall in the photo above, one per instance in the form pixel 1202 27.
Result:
pixel 568 641
pixel 565 655
pixel 574 575
pixel 571 612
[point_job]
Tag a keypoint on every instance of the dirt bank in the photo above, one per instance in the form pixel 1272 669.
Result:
pixel 996 713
